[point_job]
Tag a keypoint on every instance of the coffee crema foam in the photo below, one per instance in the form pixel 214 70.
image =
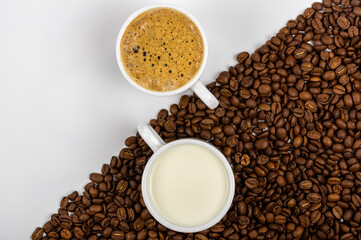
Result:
pixel 162 49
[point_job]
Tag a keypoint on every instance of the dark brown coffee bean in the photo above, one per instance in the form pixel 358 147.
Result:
pixel 218 228
pixel 117 235
pixel 242 57
pixel 306 184
pixel 96 177
pixel 311 105
pixel 308 13
pixel 229 130
pixel 78 233
pixel 307 66
pixel 37 234
pixel 243 221
pixel 130 214
pixel 334 181
pixel 200 236
pixel 329 75
pixel 335 62
pixel 323 98
pixel 356 200
pixel 170 126
pixel 122 186
pixel 66 234
pixel 247 81
pixel 300 53
pixel 281 181
pixel 96 208
pixel 313 197
pixel 333 197
pixel 64 202
pixel 261 144
pixel 244 93
pixel 337 212
pixel 317 24
pixel 138 224
pixel 121 214
pixel 298 232
pixel 315 217
pixel 338 89
pixel 262 159
pixel 343 22
pixel 304 221
pixel 327 40
pixel 314 135
pixel 245 160
pixel 280 219
pixel 222 79
pixel 353 31
pixel 264 90
pixel 183 102
pixel 251 183
pixel 123 226
pixel 357 11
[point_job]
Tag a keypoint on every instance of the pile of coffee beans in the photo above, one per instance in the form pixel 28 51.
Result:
pixel 289 123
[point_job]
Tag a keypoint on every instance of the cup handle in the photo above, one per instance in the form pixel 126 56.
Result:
pixel 205 95
pixel 150 136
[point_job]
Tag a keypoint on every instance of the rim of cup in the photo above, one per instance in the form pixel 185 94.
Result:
pixel 131 81
pixel 150 205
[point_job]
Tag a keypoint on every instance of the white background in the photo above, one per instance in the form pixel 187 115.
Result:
pixel 65 108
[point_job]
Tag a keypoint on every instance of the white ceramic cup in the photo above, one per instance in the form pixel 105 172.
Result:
pixel 158 146
pixel 198 88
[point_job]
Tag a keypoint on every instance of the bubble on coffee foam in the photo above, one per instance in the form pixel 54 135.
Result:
pixel 167 53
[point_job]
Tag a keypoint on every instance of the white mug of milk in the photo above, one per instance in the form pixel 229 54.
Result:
pixel 188 184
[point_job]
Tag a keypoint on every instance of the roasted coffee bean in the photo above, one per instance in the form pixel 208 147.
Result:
pixel 229 130
pixel 343 22
pixel 251 182
pixel 314 135
pixel 122 186
pixel 335 62
pixel 339 89
pixel 170 126
pixel 300 53
pixel 337 212
pixel 311 105
pixel 245 160
pixel 96 177
pixel 183 102
pixel 117 235
pixel 308 13
pixel 329 75
pixel 261 144
pixel 121 214
pixel 37 234
pixel 64 202
pixel 218 228
pixel 242 57
pixel 264 90
pixel 247 81
pixel 333 197
pixel 306 184
pixel 96 208
pixel 200 236
pixel 315 217
pixel 138 224
pixel 262 159
pixel 66 234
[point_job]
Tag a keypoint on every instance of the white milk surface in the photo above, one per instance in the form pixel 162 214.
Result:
pixel 188 184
